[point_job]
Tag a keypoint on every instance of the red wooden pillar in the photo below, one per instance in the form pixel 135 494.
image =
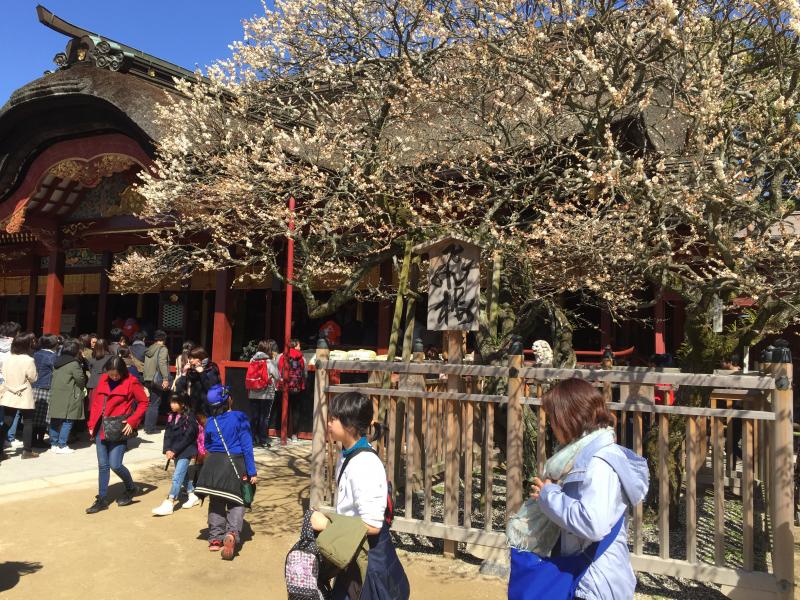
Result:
pixel 33 289
pixel 223 332
pixel 102 300
pixel 287 314
pixel 384 310
pixel 287 321
pixel 660 345
pixel 54 293
pixel 679 321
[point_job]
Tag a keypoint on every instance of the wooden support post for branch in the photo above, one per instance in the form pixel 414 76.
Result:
pixel 515 432
pixel 451 457
pixel 320 429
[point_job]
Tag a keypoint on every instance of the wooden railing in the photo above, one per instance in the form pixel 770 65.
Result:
pixel 440 442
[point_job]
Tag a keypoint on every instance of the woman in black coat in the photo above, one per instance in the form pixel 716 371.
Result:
pixel 199 375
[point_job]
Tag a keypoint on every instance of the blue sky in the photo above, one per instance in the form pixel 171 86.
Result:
pixel 184 32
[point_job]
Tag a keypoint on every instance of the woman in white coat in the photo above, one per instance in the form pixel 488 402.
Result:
pixel 19 373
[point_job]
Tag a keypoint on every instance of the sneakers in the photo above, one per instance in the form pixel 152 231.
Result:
pixel 15 444
pixel 99 504
pixel 62 450
pixel 228 547
pixel 191 501
pixel 167 507
pixel 26 454
pixel 127 497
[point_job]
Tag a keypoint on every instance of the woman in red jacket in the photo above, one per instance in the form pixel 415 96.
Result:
pixel 117 394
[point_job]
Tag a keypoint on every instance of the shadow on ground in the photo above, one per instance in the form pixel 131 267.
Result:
pixel 12 572
pixel 663 586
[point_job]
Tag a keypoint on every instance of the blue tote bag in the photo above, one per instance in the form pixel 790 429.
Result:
pixel 557 577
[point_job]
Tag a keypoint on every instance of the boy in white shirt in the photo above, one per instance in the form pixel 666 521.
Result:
pixel 362 491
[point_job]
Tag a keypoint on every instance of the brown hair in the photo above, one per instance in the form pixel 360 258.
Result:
pixel 574 407
pixel 198 352
pixel 100 349
pixel 23 343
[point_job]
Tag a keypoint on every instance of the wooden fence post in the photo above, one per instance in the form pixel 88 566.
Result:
pixel 452 460
pixel 320 427
pixel 515 430
pixel 782 479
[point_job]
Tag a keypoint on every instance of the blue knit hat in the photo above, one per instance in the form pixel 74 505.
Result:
pixel 218 394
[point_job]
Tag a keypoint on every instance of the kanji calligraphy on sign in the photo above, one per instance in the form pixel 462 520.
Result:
pixel 453 285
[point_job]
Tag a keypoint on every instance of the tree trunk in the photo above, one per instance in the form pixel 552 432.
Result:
pixel 411 308
pixel 563 352
pixel 398 315
pixel 494 294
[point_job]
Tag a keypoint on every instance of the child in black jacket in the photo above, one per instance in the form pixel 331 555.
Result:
pixel 180 445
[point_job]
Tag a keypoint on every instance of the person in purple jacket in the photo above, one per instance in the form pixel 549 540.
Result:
pixel 229 461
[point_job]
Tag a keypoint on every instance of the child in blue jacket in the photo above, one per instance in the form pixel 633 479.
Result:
pixel 229 461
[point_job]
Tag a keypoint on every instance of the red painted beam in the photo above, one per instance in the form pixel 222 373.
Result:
pixel 85 149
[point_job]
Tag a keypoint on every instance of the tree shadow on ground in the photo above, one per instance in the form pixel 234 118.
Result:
pixel 12 572
pixel 664 586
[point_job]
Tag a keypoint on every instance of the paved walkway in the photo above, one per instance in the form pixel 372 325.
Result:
pixel 52 470
pixel 51 549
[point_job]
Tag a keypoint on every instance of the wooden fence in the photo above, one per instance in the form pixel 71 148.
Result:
pixel 457 480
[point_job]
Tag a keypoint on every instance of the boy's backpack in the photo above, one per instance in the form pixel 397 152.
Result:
pixel 388 514
pixel 302 567
pixel 257 376
pixel 293 375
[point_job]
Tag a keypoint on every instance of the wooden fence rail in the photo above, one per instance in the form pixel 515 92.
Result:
pixel 455 455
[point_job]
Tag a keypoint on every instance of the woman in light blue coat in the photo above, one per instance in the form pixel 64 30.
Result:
pixel 604 482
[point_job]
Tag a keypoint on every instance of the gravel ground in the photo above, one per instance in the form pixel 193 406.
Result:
pixel 649 586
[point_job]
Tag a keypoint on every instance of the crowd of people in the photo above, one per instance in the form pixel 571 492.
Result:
pixel 51 385
pixel 54 390
pixel 48 383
